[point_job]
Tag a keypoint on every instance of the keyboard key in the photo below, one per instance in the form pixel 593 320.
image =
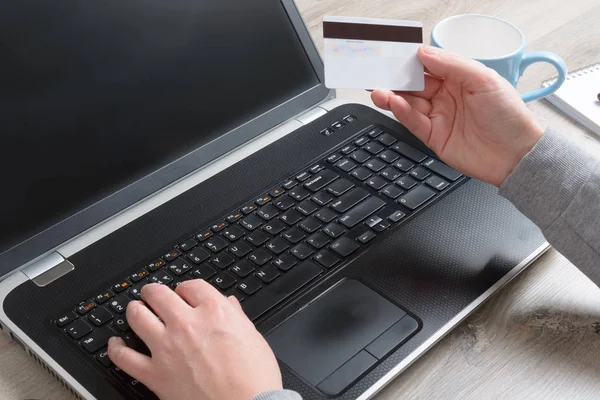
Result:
pixel 347 149
pixel 120 374
pixel 349 200
pixel 97 339
pixel 216 244
pixel 420 173
pixel 276 192
pixel 233 233
pixel 316 168
pixel 344 246
pixel 307 207
pixel 442 169
pixel 382 226
pixel 391 174
pixel 372 221
pixel 349 119
pixel 327 132
pixel 274 227
pixel 243 268
pixel 119 304
pixel 222 260
pixel 373 147
pixel 249 209
pixel 302 176
pixel 392 191
pixel 361 173
pixel 78 329
pixel 103 358
pixel 346 165
pixel 198 256
pixel 261 201
pixel 251 222
pixel 204 271
pixel 373 133
pixel 389 156
pixel 334 230
pixel 325 215
pixel 387 139
pixel 218 227
pixel 291 217
pixel 338 125
pixel 136 290
pixel 333 158
pixel 281 289
pixel 408 151
pixel 119 287
pixel 173 254
pixel 66 319
pixel 321 180
pixel 406 182
pixel 376 182
pixel 290 184
pixel 162 278
pixel 187 245
pixel 309 225
pixel 267 212
pixel 396 216
pixel 250 286
pixel 260 257
pixel 361 141
pixel 277 245
pixel 156 265
pixel 437 183
pixel 235 293
pixel 234 217
pixel 361 211
pixel 322 198
pixel 404 165
pixel 135 343
pixel 340 187
pixel 257 238
pixel 202 236
pixel 86 307
pixel 138 276
pixel 103 297
pixel 223 280
pixel 326 258
pixel 416 197
pixel 299 193
pixel 240 249
pixel 366 237
pixel 375 165
pixel 284 203
pixel 285 262
pixel 267 274
pixel 179 280
pixel 293 235
pixel 360 156
pixel 318 240
pixel 99 316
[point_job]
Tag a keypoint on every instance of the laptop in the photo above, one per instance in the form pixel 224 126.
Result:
pixel 163 141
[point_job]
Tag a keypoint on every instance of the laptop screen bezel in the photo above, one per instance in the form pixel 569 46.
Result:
pixel 48 240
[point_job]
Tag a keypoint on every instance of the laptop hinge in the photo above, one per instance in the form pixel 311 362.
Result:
pixel 311 115
pixel 45 271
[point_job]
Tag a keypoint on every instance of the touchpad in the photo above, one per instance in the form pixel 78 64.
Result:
pixel 340 335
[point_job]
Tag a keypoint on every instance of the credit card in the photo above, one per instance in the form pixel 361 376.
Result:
pixel 368 53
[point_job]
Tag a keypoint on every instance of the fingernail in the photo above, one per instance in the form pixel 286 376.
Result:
pixel 431 50
pixel 115 341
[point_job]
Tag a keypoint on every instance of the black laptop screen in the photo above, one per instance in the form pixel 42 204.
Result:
pixel 95 95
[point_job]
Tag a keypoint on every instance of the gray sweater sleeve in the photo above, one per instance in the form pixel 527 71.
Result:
pixel 278 395
pixel 557 186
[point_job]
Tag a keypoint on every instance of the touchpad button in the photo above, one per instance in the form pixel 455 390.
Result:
pixel 333 329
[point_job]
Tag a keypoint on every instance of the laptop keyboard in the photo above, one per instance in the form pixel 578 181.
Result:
pixel 267 250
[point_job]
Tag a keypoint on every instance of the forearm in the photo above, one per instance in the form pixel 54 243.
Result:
pixel 278 395
pixel 557 186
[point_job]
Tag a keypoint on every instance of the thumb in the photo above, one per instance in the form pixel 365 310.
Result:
pixel 454 68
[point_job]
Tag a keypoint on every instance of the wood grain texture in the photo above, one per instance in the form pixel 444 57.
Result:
pixel 539 337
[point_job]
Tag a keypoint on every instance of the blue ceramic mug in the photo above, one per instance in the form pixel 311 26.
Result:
pixel 498 44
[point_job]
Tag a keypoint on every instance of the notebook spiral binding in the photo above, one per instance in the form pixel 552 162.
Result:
pixel 574 74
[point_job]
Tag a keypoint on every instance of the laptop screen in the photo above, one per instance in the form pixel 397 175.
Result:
pixel 95 95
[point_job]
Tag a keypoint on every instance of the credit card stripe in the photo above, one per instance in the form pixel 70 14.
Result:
pixel 382 33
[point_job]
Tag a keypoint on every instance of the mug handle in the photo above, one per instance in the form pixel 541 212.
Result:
pixel 551 58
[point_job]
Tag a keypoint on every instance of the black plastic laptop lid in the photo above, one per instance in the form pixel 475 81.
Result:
pixel 104 103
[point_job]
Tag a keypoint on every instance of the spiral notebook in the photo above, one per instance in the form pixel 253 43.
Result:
pixel 577 97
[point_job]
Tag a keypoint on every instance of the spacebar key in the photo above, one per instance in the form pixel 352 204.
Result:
pixel 361 211
pixel 283 287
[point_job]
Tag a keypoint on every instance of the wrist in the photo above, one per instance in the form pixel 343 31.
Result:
pixel 530 136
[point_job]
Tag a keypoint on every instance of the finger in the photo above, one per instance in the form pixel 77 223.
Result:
pixel 432 86
pixel 236 304
pixel 413 120
pixel 145 323
pixel 133 363
pixel 380 98
pixel 417 103
pixel 196 292
pixel 164 302
pixel 451 67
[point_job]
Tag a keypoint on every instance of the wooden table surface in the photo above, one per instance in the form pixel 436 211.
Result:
pixel 539 337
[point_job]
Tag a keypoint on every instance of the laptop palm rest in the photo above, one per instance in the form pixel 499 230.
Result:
pixel 340 336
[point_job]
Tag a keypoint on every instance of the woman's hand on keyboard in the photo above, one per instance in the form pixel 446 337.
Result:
pixel 205 348
pixel 470 116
